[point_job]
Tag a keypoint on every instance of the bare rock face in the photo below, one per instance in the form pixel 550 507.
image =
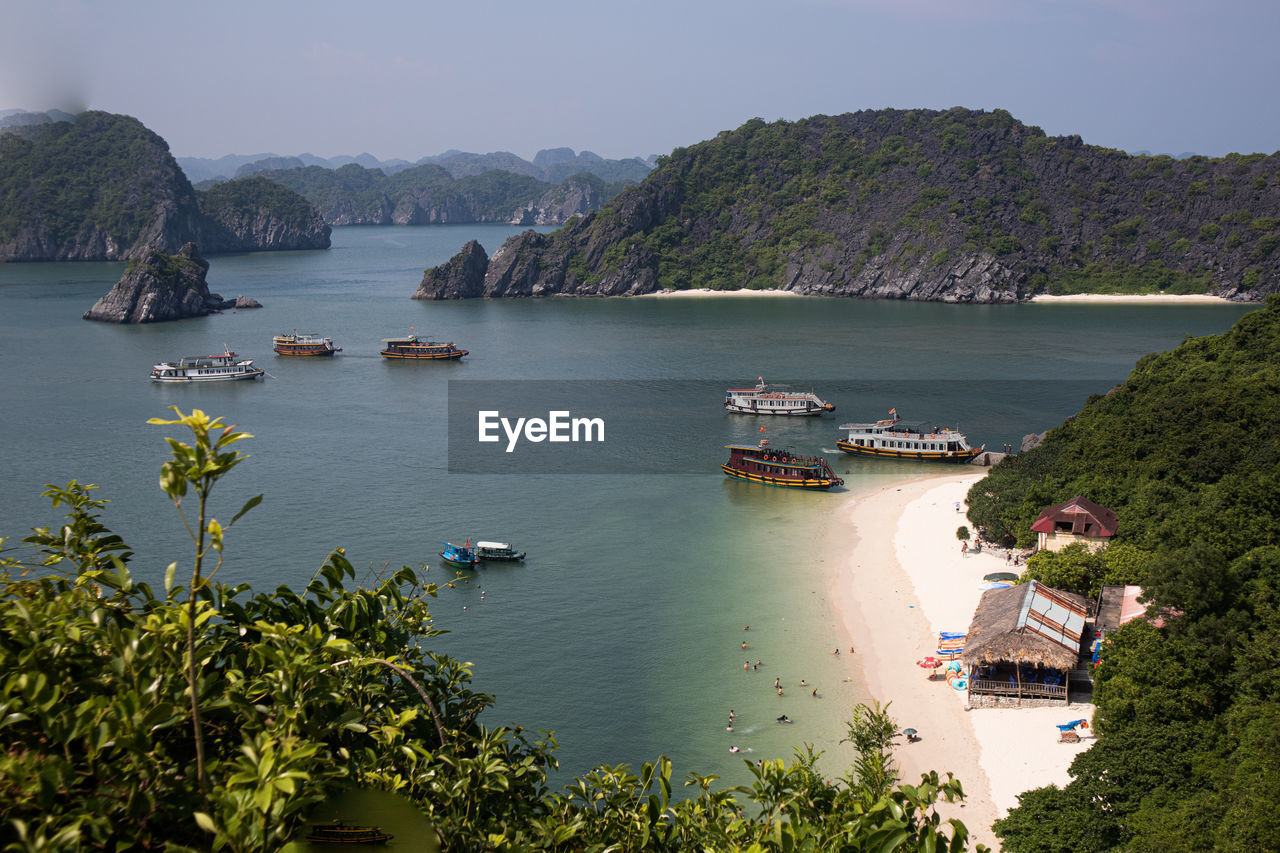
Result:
pixel 157 287
pixel 461 277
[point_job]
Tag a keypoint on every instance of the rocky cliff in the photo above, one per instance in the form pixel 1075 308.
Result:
pixel 157 287
pixel 103 187
pixel 461 277
pixel 954 206
pixel 429 195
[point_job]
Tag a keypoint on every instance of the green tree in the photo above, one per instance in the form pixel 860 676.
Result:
pixel 302 694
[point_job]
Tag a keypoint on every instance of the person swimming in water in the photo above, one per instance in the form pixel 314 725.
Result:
pixel 784 719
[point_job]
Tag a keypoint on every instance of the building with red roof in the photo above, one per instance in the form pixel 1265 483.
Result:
pixel 1076 520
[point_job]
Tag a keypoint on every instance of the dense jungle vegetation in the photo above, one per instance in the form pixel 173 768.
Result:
pixel 1187 452
pixel 103 187
pixel 961 204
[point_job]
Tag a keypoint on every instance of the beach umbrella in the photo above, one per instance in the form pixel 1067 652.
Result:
pixel 910 732
pixel 1000 576
pixel 928 663
pixel 994 585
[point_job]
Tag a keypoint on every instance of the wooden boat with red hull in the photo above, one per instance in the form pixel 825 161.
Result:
pixel 764 464
pixel 414 347
pixel 303 344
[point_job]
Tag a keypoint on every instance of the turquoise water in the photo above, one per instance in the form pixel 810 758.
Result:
pixel 623 629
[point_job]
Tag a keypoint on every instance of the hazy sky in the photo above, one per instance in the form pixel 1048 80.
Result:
pixel 410 78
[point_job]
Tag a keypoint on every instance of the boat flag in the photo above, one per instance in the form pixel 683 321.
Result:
pixel 893 411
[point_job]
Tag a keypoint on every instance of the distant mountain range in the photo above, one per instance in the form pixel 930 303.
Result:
pixel 551 165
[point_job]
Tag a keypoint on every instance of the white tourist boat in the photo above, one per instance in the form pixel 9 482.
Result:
pixel 764 400
pixel 206 368
pixel 892 438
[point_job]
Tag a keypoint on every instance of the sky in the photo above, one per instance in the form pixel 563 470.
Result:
pixel 412 78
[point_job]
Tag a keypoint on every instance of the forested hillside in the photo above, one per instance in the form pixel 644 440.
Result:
pixel 1187 452
pixel 104 187
pixel 960 205
pixel 430 195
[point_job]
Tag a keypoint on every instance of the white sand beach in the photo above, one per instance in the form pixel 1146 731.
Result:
pixel 1134 298
pixel 904 581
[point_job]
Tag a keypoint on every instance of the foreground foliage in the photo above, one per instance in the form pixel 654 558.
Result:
pixel 212 717
pixel 1186 452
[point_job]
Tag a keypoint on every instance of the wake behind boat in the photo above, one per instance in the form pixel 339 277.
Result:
pixel 766 400
pixel 207 368
pixel 763 464
pixel 893 438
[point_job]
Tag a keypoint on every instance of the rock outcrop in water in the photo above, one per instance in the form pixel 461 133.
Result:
pixel 461 277
pixel 159 287
pixel 954 206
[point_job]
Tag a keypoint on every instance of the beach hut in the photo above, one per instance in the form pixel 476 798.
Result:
pixel 1024 642
pixel 1076 520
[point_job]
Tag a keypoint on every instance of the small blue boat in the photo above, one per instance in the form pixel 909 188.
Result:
pixel 460 555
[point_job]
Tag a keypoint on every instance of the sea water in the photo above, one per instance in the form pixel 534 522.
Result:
pixel 622 631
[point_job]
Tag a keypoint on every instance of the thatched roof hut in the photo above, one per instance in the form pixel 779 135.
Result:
pixel 1029 623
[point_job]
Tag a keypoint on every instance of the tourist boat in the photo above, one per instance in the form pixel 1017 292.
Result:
pixel 497 551
pixel 764 400
pixel 460 555
pixel 413 346
pixel 206 368
pixel 893 439
pixel 303 343
pixel 341 833
pixel 763 464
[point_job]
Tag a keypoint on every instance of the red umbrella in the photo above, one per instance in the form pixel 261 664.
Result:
pixel 929 663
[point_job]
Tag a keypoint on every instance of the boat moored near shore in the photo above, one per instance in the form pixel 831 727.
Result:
pixel 207 368
pixel 766 400
pixel 892 438
pixel 303 344
pixel 763 464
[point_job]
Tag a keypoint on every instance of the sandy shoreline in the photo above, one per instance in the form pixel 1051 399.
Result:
pixel 902 582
